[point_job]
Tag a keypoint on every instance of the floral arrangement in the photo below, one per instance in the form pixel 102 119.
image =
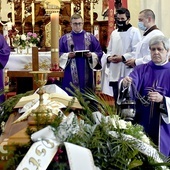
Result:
pixel 20 41
pixel 26 40
pixel 33 39
pixel 114 143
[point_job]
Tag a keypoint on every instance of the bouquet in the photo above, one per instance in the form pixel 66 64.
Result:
pixel 33 39
pixel 20 41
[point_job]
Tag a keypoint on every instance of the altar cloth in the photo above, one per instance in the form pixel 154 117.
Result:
pixel 23 62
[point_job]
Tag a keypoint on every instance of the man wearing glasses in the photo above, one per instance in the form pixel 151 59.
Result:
pixel 79 53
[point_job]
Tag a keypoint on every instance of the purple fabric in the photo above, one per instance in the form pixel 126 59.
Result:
pixel 83 67
pixel 4 56
pixel 150 77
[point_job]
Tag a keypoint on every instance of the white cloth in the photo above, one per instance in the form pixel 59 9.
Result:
pixel 105 88
pixel 19 62
pixel 121 43
pixel 166 117
pixel 142 52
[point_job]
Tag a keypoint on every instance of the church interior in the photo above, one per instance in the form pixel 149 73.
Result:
pixel 29 63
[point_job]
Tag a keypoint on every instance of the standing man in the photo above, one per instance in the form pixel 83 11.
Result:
pixel 78 66
pixel 122 40
pixel 141 54
pixel 150 88
pixel 4 56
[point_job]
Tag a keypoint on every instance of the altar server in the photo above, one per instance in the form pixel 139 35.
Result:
pixel 141 54
pixel 122 40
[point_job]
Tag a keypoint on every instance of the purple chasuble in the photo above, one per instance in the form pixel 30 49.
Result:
pixel 151 77
pixel 4 56
pixel 80 41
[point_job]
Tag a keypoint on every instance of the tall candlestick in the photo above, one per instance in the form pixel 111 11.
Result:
pixel 23 11
pixel 55 41
pixel 82 9
pixel 13 13
pixel 72 8
pixel 33 15
pixel 91 15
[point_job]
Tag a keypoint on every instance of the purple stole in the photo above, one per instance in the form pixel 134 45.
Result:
pixel 73 66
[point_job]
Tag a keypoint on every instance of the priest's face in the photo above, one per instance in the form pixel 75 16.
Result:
pixel 158 53
pixel 77 25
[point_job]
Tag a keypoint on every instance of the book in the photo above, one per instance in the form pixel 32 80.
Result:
pixel 81 52
pixel 64 99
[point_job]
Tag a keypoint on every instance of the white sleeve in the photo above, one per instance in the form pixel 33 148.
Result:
pixel 63 60
pixel 143 60
pixel 166 117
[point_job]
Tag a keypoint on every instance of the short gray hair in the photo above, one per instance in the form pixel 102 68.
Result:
pixel 160 39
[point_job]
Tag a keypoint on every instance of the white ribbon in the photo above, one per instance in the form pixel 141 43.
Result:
pixel 42 152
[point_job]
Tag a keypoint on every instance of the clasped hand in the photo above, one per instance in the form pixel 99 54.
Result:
pixel 115 59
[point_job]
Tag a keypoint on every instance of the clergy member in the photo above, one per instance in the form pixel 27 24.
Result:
pixel 4 56
pixel 78 66
pixel 150 84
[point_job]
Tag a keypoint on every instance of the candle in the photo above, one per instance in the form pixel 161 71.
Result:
pixel 33 15
pixel 91 13
pixel 72 8
pixel 23 11
pixel 55 41
pixel 13 13
pixel 82 9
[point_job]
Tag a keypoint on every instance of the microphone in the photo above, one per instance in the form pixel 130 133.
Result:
pixel 72 47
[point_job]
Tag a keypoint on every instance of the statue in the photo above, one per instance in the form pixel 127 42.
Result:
pixel 9 31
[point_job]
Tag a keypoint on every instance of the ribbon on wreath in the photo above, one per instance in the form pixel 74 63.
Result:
pixel 43 150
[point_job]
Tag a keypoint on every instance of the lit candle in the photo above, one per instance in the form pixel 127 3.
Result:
pixel 33 15
pixel 55 41
pixel 13 13
pixel 23 11
pixel 72 8
pixel 82 9
pixel 91 13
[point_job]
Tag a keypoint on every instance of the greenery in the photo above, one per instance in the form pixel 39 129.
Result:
pixel 113 142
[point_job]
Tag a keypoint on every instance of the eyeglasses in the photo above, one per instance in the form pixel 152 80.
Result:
pixel 158 49
pixel 77 23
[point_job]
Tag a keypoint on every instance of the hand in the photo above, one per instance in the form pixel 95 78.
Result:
pixel 155 97
pixel 130 62
pixel 88 54
pixel 127 81
pixel 115 59
pixel 71 55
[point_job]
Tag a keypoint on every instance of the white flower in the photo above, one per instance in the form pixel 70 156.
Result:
pixel 23 37
pixel 144 138
pixel 122 124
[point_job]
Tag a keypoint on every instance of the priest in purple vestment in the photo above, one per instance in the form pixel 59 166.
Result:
pixel 150 85
pixel 80 52
pixel 4 56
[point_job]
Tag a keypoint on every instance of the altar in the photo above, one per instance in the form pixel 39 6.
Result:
pixel 23 62
pixel 20 65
